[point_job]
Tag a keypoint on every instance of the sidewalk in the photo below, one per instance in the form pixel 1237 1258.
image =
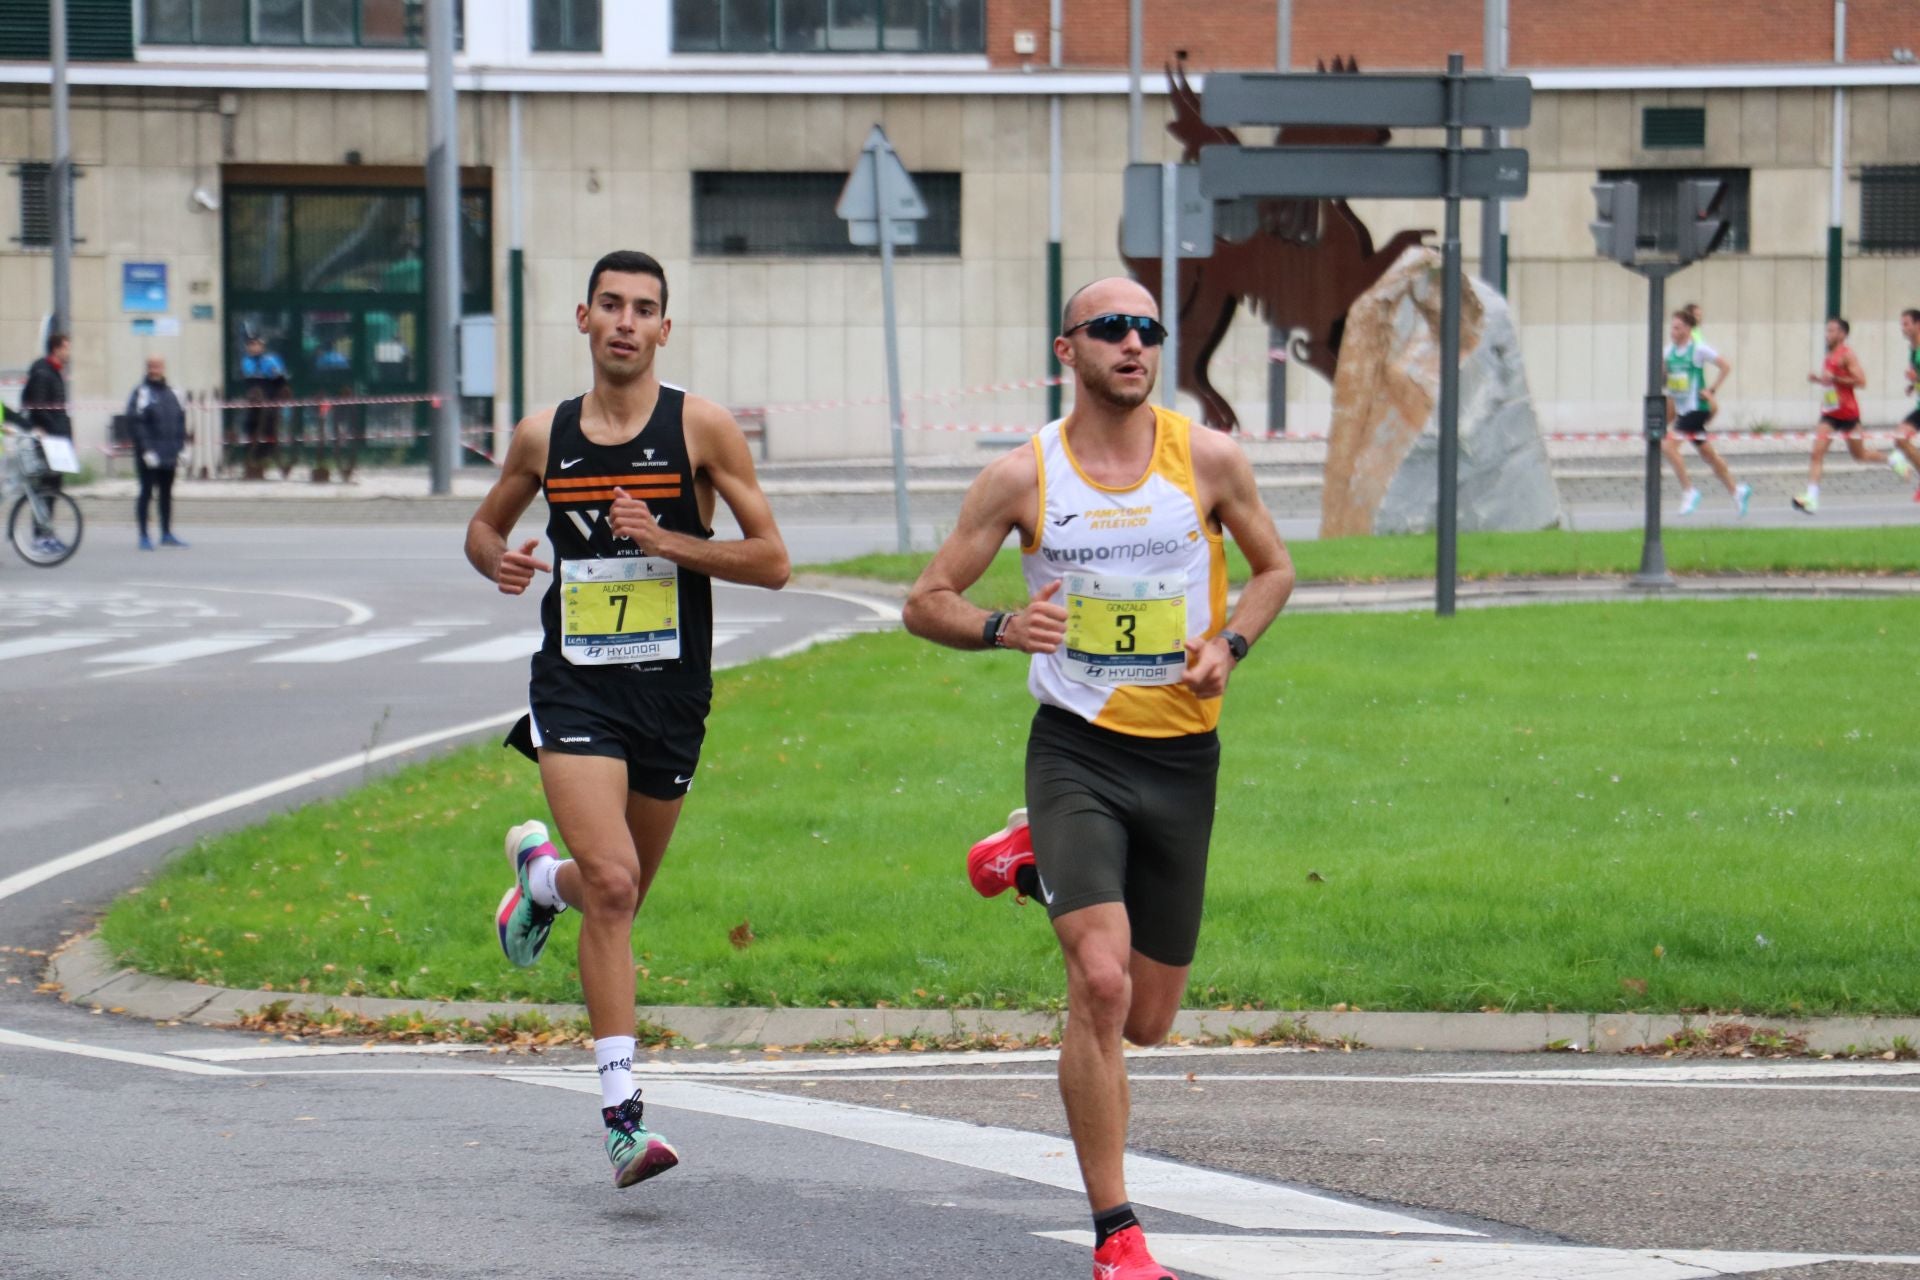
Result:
pixel 88 977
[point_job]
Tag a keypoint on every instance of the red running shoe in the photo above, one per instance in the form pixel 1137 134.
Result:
pixel 1124 1257
pixel 993 862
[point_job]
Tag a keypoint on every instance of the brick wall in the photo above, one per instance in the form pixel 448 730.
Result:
pixel 1390 34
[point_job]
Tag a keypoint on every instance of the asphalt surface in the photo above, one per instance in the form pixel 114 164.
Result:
pixel 153 1162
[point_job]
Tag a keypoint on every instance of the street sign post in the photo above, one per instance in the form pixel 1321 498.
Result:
pixel 1165 216
pixel 1451 173
pixel 882 206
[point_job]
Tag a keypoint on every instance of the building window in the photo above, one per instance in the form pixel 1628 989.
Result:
pixel 314 23
pixel 1890 208
pixel 36 204
pixel 97 30
pixel 790 215
pixel 1660 199
pixel 1673 128
pixel 829 26
pixel 566 26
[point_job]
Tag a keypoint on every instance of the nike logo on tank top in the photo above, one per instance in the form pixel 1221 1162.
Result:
pixel 1140 575
pixel 608 605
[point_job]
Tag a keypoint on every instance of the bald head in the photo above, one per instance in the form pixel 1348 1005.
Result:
pixel 156 369
pixel 1102 297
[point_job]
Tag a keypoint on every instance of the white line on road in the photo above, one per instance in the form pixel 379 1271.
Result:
pixel 20 1040
pixel 1717 1071
pixel 1262 1258
pixel 498 649
pixel 166 655
pixel 47 870
pixel 33 646
pixel 364 645
pixel 357 613
pixel 260 1053
pixel 1032 1157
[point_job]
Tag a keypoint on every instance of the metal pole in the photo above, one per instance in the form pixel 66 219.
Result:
pixel 886 202
pixel 1837 197
pixel 1653 554
pixel 1054 217
pixel 1134 41
pixel 443 244
pixel 1492 246
pixel 516 265
pixel 60 175
pixel 1277 336
pixel 1170 283
pixel 1446 564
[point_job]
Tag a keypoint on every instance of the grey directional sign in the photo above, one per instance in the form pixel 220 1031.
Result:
pixel 1489 102
pixel 1141 218
pixel 1383 173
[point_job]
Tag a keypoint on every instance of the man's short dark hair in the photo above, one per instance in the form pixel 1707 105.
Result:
pixel 1911 313
pixel 1845 328
pixel 629 262
pixel 53 342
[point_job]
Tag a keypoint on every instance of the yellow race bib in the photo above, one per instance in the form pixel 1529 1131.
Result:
pixel 1831 400
pixel 1125 630
pixel 1679 383
pixel 619 611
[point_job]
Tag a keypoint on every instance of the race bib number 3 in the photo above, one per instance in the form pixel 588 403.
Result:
pixel 1125 630
pixel 619 611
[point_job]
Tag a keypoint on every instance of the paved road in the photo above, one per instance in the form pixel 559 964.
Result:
pixel 137 685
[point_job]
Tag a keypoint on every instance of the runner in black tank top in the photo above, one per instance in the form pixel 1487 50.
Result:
pixel 623 679
pixel 653 466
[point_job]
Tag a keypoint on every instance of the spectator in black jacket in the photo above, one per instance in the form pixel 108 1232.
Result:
pixel 45 398
pixel 159 437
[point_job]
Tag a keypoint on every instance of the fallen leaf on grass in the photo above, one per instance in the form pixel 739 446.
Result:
pixel 1634 986
pixel 741 935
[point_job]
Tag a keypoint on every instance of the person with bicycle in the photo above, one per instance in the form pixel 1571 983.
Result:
pixel 45 402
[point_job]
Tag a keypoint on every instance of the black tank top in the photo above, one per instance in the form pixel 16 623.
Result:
pixel 579 484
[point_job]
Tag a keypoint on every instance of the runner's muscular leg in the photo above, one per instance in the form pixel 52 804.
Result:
pixel 1822 441
pixel 1909 444
pixel 1714 460
pixel 1861 452
pixel 617 840
pixel 1097 944
pixel 1157 991
pixel 1670 446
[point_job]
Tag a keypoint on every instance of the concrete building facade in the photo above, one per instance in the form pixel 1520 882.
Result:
pixel 273 183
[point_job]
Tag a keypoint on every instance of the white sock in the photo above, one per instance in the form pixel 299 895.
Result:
pixel 1813 491
pixel 543 880
pixel 614 1057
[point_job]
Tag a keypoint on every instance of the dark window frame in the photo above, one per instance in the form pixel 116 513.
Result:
pixel 251 40
pixel 1890 209
pixel 790 214
pixel 975 22
pixel 34 201
pixel 1673 128
pixel 1660 192
pixel 571 41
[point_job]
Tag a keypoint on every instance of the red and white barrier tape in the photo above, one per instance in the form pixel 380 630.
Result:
pixel 1588 437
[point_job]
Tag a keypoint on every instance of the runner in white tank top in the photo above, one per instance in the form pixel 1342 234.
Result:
pixel 1121 510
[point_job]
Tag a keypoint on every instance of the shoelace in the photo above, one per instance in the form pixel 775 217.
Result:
pixel 626 1116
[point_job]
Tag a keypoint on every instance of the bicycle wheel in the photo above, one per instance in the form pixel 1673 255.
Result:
pixel 49 536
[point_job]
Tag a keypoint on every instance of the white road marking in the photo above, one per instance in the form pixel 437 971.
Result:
pixel 33 646
pixel 497 649
pixel 888 609
pixel 1262 1258
pixel 20 1040
pixel 259 1053
pixel 1197 1193
pixel 1786 1069
pixel 351 647
pixel 357 613
pixel 21 881
pixel 176 651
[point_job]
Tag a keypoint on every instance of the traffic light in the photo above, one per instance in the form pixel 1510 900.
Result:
pixel 1616 226
pixel 1702 230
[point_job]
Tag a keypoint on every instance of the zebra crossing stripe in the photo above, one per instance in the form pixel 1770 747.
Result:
pixel 350 648
pixel 32 646
pixel 497 649
pixel 185 650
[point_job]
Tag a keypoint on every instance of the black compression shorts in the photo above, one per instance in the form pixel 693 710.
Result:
pixel 600 711
pixel 1120 818
pixel 1692 424
pixel 1842 425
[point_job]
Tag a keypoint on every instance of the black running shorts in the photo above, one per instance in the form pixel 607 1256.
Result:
pixel 1913 419
pixel 602 711
pixel 1842 425
pixel 1120 818
pixel 1693 424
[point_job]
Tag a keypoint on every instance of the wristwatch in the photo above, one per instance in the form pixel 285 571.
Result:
pixel 1236 644
pixel 990 634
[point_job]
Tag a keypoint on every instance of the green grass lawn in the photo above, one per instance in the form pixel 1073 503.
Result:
pixel 1551 553
pixel 1658 805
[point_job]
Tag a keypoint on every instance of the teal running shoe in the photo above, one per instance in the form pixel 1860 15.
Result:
pixel 523 923
pixel 636 1154
pixel 1743 498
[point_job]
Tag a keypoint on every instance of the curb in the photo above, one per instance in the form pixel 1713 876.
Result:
pixel 88 976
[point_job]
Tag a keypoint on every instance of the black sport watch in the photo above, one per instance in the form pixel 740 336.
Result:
pixel 1236 644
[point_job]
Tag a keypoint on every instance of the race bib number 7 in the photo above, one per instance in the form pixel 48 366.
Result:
pixel 1125 630
pixel 619 611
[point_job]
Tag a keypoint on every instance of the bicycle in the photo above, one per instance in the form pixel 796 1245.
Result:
pixel 43 527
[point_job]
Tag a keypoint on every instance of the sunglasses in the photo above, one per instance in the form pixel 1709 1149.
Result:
pixel 1114 327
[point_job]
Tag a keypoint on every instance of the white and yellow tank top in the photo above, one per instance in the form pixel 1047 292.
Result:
pixel 1140 573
